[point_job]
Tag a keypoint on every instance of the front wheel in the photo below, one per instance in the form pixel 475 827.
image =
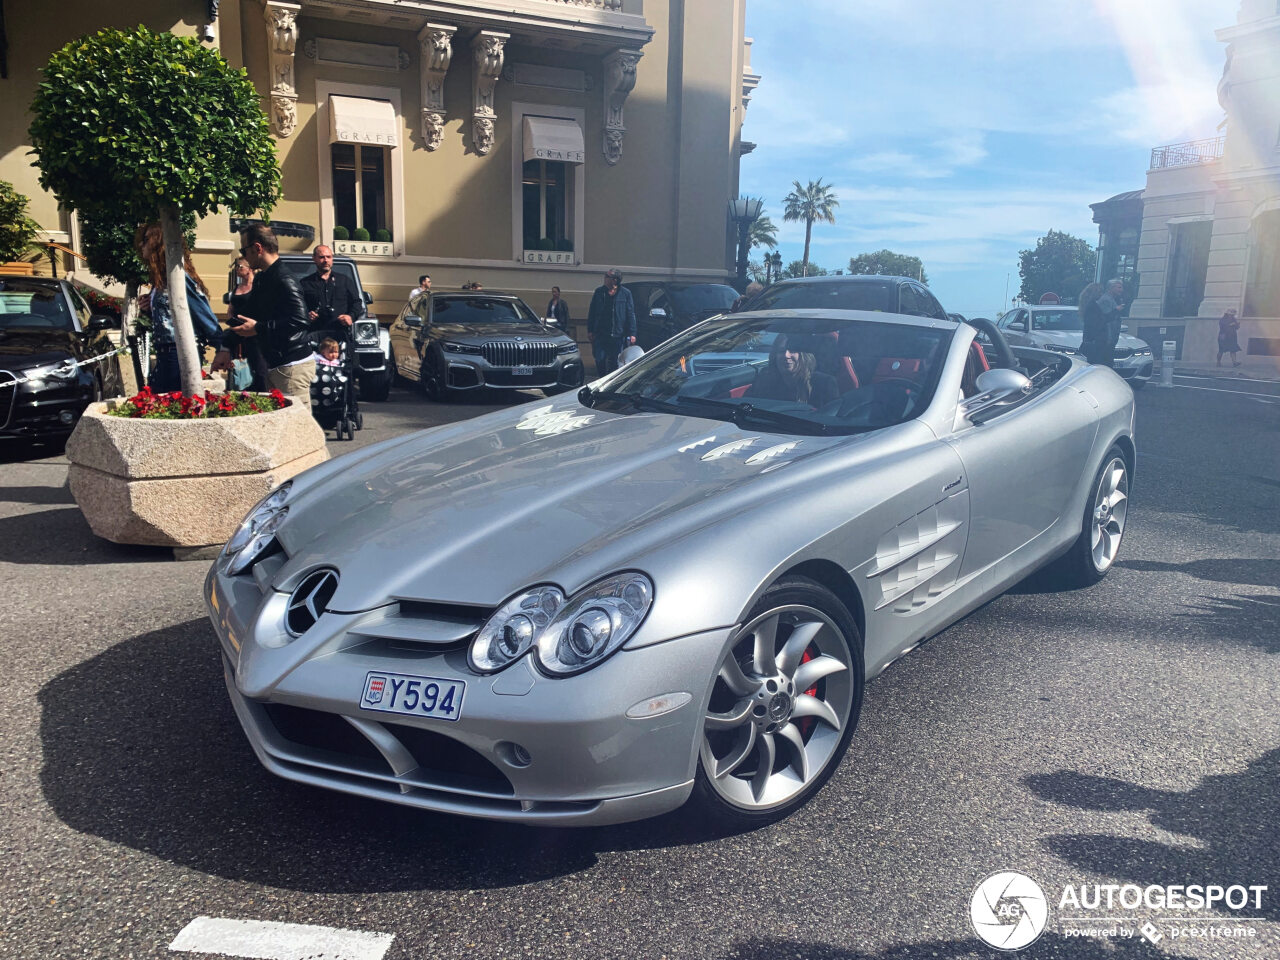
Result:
pixel 1106 512
pixel 376 386
pixel 784 704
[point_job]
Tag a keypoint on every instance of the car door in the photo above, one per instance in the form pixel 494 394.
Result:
pixel 931 305
pixel 1016 325
pixel 650 330
pixel 404 335
pixel 1022 464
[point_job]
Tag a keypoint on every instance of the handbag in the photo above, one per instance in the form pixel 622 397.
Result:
pixel 240 377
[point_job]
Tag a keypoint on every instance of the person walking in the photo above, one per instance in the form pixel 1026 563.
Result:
pixel 332 302
pixel 1228 325
pixel 424 286
pixel 611 321
pixel 165 375
pixel 557 309
pixel 277 312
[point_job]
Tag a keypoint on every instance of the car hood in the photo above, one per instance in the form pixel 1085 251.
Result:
pixel 473 513
pixel 20 349
pixel 491 331
pixel 1072 338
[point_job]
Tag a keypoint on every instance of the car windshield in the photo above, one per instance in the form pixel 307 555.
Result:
pixel 878 295
pixel 806 375
pixel 480 309
pixel 1057 319
pixel 703 298
pixel 26 304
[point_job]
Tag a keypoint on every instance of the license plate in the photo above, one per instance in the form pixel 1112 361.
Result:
pixel 413 696
pixel 522 371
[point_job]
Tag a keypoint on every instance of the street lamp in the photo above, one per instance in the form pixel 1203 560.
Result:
pixel 744 212
pixel 774 260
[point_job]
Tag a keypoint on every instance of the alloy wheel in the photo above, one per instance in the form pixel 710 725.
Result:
pixel 779 708
pixel 1110 507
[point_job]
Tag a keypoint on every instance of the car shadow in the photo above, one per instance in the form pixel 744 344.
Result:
pixel 1234 570
pixel 1051 944
pixel 1228 819
pixel 141 747
pixel 18 450
pixel 62 537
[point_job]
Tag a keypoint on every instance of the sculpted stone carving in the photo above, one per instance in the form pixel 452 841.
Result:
pixel 619 80
pixel 282 38
pixel 284 113
pixel 487 55
pixel 284 28
pixel 435 44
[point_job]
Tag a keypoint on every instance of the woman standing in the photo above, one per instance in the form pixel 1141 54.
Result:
pixel 245 348
pixel 165 375
pixel 1227 342
pixel 1095 344
pixel 557 309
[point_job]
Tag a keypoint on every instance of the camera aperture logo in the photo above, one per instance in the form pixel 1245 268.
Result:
pixel 1009 911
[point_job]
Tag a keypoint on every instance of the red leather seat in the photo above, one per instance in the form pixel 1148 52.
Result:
pixel 896 368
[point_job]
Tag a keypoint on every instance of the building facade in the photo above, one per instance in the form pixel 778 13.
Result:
pixel 520 143
pixel 1207 225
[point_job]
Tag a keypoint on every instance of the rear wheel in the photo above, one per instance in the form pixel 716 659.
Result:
pixel 785 702
pixel 1105 515
pixel 376 386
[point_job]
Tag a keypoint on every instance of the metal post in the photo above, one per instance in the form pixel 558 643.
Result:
pixel 1167 355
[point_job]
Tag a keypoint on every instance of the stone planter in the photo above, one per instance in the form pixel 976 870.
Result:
pixel 184 483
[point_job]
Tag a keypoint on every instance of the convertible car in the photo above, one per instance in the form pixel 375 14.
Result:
pixel 672 585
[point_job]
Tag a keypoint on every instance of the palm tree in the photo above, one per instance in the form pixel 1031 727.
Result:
pixel 763 233
pixel 814 202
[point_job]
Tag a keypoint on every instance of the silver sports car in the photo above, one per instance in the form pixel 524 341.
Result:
pixel 671 586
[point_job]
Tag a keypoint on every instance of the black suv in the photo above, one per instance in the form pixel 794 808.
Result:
pixel 664 308
pixel 859 292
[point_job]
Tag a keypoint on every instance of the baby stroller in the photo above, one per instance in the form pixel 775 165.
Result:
pixel 333 395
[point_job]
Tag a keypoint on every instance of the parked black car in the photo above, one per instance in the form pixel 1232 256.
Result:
pixel 858 292
pixel 453 341
pixel 664 308
pixel 45 326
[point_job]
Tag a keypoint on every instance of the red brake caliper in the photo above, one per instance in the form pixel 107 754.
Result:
pixel 805 724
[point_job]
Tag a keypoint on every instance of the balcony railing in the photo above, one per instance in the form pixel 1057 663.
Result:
pixel 1193 151
pixel 598 4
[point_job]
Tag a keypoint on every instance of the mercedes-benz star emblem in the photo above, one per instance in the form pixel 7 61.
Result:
pixel 309 600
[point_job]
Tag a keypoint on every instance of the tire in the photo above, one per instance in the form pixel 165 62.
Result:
pixel 376 386
pixel 788 691
pixel 1137 384
pixel 1094 552
pixel 359 420
pixel 346 427
pixel 432 383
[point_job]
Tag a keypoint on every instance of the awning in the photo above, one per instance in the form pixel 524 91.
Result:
pixel 357 120
pixel 547 139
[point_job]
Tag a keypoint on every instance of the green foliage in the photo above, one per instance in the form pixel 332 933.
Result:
pixel 17 230
pixel 564 245
pixel 1060 263
pixel 796 268
pixel 341 233
pixel 813 202
pixel 382 236
pixel 108 245
pixel 131 120
pixel 888 264
pixel 361 234
pixel 763 233
pixel 545 243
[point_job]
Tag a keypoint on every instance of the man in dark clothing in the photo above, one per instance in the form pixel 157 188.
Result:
pixel 276 312
pixel 332 302
pixel 1109 306
pixel 611 322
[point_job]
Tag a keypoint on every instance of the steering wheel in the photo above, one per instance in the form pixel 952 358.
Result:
pixel 1004 355
pixel 851 405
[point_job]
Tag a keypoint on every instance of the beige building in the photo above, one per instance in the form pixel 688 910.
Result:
pixel 1206 228
pixel 520 143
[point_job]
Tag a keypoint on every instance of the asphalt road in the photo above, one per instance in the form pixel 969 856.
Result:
pixel 1124 734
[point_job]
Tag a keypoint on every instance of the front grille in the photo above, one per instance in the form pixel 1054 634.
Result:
pixel 1122 353
pixel 519 353
pixel 8 397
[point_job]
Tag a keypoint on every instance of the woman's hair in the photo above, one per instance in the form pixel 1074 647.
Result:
pixel 1090 294
pixel 150 244
pixel 806 363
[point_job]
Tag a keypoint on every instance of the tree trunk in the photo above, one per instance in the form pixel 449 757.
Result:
pixel 808 232
pixel 184 337
pixel 129 313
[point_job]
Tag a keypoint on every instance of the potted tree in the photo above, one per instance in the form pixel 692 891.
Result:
pixel 170 471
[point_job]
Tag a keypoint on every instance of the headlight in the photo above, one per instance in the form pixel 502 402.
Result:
pixel 567 348
pixel 594 623
pixel 365 330
pixel 257 530
pixel 1058 348
pixel 63 370
pixel 450 347
pixel 511 631
pixel 1143 353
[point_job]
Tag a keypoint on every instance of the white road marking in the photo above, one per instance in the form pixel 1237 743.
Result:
pixel 264 940
pixel 1239 393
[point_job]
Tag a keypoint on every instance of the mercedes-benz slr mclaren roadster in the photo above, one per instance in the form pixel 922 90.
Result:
pixel 671 586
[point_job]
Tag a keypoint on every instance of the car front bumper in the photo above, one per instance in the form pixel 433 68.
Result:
pixel 48 409
pixel 467 372
pixel 581 759
pixel 1135 368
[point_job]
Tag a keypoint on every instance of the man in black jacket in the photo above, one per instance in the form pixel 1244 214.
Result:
pixel 277 313
pixel 332 302
pixel 611 321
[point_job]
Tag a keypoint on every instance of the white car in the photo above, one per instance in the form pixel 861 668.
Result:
pixel 1058 328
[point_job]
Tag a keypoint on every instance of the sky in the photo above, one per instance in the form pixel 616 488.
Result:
pixel 960 132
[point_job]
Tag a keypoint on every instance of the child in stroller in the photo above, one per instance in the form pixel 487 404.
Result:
pixel 333 397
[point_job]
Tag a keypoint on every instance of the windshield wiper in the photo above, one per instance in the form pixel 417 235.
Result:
pixel 742 414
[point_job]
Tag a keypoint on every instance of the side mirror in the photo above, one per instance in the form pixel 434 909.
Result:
pixel 367 297
pixel 996 387
pixel 412 320
pixel 1124 328
pixel 1019 325
pixel 658 313
pixel 103 321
